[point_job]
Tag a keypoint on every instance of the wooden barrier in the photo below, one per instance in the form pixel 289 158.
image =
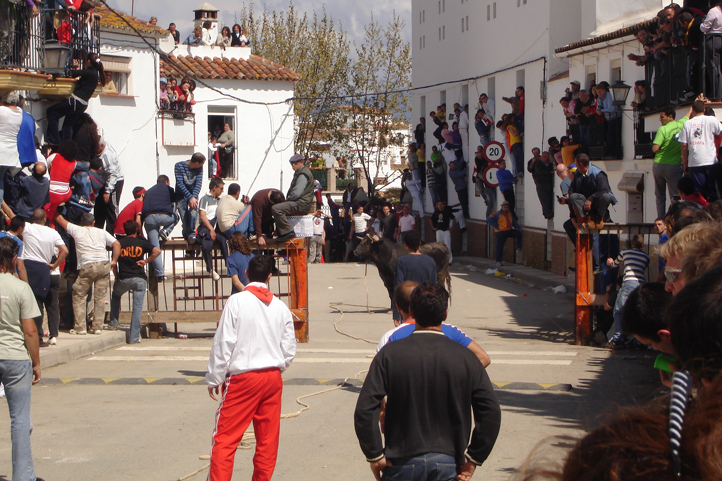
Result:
pixel 196 298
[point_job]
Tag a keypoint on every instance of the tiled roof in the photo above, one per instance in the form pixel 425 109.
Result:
pixel 255 68
pixel 110 21
pixel 622 32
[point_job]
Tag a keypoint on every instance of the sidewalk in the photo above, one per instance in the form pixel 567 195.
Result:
pixel 528 275
pixel 71 347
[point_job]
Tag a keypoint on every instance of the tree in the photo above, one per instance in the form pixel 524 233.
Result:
pixel 377 90
pixel 318 50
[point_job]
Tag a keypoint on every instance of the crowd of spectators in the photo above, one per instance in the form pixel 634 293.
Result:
pixel 205 34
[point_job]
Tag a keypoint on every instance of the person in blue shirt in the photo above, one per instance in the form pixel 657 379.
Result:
pixel 506 186
pixel 238 261
pixel 188 184
pixel 16 228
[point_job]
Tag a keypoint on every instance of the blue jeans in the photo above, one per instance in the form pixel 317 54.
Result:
pixel 17 377
pixel 426 467
pixel 121 286
pixel 622 295
pixel 153 224
pixel 245 227
pixel 189 218
pixel 501 238
pixel 704 181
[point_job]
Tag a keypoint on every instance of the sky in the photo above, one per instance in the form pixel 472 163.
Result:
pixel 354 15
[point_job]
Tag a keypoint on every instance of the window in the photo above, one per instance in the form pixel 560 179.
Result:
pixel 464 94
pixel 467 22
pixel 442 97
pixel 615 70
pixel 439 7
pixel 439 34
pixel 462 25
pixel 591 75
pixel 488 13
pixel 423 16
pixel 423 41
pixel 118 75
pixel 443 5
pixel 494 10
pixel 443 32
pixel 420 18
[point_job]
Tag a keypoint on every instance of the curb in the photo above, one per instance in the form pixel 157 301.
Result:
pixel 52 356
pixel 528 275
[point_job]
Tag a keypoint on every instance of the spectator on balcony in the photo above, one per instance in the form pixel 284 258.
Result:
pixel 196 38
pixel 447 135
pixel 213 156
pixel 208 34
pixel 439 126
pixel 64 31
pixel 163 96
pixel 667 169
pixel 11 120
pixel 153 21
pixel 175 33
pixel 457 173
pixel 645 38
pixel 227 141
pixel 483 190
pixel 699 149
pixel 517 108
pixel 483 125
pixel 224 38
pixel 613 117
pixel 186 98
pixel 573 91
pixel 239 37
pixel 71 108
pixel 420 131
pixel 569 111
pixel 712 28
pixel 542 170
pixel 506 185
pixel 172 94
pixel 513 140
pixel 456 135
pixel 567 151
pixel 159 218
pixel 489 106
pixel 463 125
pixel 591 194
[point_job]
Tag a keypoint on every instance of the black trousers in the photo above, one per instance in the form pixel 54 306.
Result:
pixel 49 302
pixel 204 236
pixel 107 213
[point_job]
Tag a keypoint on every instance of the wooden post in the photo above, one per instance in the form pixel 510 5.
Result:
pixel 297 256
pixel 584 283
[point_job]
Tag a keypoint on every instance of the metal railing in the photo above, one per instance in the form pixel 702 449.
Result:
pixel 23 37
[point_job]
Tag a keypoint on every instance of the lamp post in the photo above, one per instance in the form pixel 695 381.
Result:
pixel 620 91
pixel 56 58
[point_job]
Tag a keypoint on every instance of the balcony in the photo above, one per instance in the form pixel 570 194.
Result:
pixel 23 41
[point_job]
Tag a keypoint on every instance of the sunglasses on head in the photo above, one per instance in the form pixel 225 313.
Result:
pixel 671 274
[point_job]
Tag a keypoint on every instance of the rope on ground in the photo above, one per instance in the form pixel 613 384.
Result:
pixel 334 305
pixel 306 406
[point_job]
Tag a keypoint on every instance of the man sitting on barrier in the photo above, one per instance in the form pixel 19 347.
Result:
pixel 234 215
pixel 208 229
pixel 262 204
pixel 298 199
pixel 590 192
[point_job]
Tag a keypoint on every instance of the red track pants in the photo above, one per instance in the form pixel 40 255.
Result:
pixel 251 396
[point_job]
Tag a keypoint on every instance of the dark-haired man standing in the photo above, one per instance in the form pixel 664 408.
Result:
pixel 254 343
pixel 411 373
pixel 413 267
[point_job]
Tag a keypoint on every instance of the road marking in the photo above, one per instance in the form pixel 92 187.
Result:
pixel 338 351
pixel 532 353
pixel 171 381
pixel 164 348
pixel 149 358
pixel 322 360
pixel 530 362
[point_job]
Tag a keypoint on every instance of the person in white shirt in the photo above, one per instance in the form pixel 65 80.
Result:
pixel 489 106
pixel 406 224
pixel 94 269
pixel 699 151
pixel 463 119
pixel 315 247
pixel 712 29
pixel 43 251
pixel 254 343
pixel 360 225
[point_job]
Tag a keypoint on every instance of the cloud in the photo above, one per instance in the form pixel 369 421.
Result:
pixel 352 15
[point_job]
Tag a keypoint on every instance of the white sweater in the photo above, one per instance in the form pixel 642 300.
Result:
pixel 251 336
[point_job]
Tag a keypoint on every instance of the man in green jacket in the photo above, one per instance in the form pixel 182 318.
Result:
pixel 298 199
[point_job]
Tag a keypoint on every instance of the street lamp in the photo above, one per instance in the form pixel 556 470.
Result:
pixel 620 91
pixel 56 58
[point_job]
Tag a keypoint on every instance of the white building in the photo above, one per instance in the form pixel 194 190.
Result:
pixel 492 47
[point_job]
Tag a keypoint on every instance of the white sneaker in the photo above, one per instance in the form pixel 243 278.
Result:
pixel 78 333
pixel 215 276
pixel 97 332
pixel 53 341
pixel 2 391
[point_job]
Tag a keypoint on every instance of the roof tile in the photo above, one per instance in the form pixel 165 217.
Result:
pixel 255 68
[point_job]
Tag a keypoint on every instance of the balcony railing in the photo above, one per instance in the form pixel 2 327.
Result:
pixel 23 37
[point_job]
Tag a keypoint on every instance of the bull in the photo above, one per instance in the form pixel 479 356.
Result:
pixel 384 253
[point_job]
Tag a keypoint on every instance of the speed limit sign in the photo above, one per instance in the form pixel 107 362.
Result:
pixel 489 176
pixel 494 152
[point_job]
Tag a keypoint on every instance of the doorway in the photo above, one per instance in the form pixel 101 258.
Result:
pixel 224 157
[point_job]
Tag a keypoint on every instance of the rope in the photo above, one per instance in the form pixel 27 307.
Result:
pixel 335 326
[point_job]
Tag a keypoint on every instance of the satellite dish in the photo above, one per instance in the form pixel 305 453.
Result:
pixel 167 44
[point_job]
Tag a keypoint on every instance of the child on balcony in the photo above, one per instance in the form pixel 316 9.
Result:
pixel 164 100
pixel 171 93
pixel 65 30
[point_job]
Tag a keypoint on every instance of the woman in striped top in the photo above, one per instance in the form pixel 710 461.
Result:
pixel 635 262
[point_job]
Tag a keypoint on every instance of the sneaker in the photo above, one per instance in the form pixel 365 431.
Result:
pixel 499 264
pixel 97 332
pixel 287 236
pixel 191 239
pixel 52 341
pixel 215 276
pixel 616 342
pixel 78 333
pixel 162 236
pixel 160 278
pixel 190 254
pixel 111 327
pixel 44 344
pixel 252 237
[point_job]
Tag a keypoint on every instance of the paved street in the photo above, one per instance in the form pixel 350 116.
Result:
pixel 144 412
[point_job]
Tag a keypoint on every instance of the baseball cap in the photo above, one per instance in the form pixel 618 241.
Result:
pixel 576 82
pixel 296 158
pixel 506 202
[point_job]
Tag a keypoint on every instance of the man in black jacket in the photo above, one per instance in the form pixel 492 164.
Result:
pixel 591 193
pixel 427 373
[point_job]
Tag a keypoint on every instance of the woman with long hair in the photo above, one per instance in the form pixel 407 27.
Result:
pixel 224 39
pixel 86 135
pixel 88 79
pixel 237 262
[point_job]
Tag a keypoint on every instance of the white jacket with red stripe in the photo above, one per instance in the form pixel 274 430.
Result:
pixel 251 335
